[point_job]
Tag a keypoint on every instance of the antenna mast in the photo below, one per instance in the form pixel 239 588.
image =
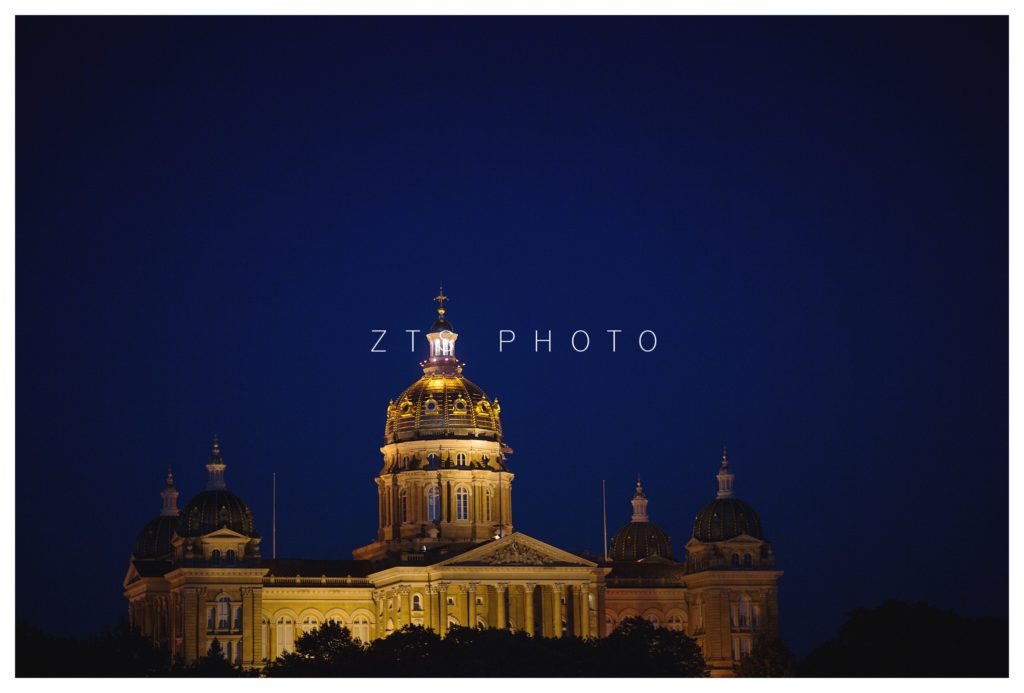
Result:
pixel 273 518
pixel 604 518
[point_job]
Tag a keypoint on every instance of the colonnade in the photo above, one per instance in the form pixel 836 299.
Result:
pixel 549 609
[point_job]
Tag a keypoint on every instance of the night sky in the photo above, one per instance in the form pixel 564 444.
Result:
pixel 213 214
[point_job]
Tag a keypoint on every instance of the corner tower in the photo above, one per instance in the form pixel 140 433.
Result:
pixel 445 478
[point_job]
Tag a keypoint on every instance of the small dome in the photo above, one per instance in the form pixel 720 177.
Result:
pixel 726 518
pixel 440 325
pixel 639 540
pixel 214 509
pixel 154 541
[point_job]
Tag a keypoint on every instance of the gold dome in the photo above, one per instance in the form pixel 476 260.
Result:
pixel 442 405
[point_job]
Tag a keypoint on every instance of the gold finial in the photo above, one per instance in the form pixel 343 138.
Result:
pixel 440 298
pixel 725 458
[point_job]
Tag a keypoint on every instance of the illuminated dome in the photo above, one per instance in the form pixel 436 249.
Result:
pixel 443 403
pixel 726 517
pixel 641 538
pixel 216 507
pixel 154 541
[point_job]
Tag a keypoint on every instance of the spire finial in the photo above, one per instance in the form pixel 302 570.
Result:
pixel 725 477
pixel 639 503
pixel 169 496
pixel 440 298
pixel 216 467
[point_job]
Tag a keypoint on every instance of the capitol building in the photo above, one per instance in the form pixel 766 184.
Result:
pixel 447 553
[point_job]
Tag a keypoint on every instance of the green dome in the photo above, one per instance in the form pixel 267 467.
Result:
pixel 726 518
pixel 213 509
pixel 154 541
pixel 639 540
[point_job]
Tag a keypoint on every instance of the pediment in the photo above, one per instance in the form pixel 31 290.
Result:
pixel 225 533
pixel 517 549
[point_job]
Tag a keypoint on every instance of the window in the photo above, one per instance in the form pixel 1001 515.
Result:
pixel 211 618
pixel 361 629
pixel 309 624
pixel 215 555
pixel 224 613
pixel 231 555
pixel 460 405
pixel 335 618
pixel 755 617
pixel 433 504
pixel 675 622
pixel 654 620
pixel 403 506
pixel 735 560
pixel 238 618
pixel 285 635
pixel 417 603
pixel 743 612
pixel 487 505
pixel 748 561
pixel 431 406
pixel 460 459
pixel 462 503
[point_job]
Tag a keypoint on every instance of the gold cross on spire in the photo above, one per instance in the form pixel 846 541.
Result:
pixel 440 298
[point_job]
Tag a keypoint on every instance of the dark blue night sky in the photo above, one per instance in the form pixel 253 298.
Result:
pixel 213 214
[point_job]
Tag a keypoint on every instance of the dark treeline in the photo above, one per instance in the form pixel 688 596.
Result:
pixel 899 639
pixel 896 639
pixel 636 648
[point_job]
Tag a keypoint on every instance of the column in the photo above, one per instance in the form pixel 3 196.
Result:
pixel 442 617
pixel 557 590
pixel 406 618
pixel 471 605
pixel 428 607
pixel 500 589
pixel 528 607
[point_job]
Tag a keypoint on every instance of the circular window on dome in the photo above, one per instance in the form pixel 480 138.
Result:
pixel 431 406
pixel 483 408
pixel 460 406
pixel 406 408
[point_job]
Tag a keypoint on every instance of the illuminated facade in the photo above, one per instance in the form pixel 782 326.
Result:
pixel 446 552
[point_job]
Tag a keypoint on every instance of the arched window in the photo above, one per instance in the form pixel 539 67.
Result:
pixel 433 504
pixel 487 505
pixel 748 560
pixel 285 635
pixel 675 622
pixel 361 629
pixel 224 613
pixel 403 506
pixel 755 616
pixel 309 624
pixel 238 618
pixel 462 503
pixel 231 555
pixel 654 620
pixel 417 603
pixel 460 459
pixel 735 560
pixel 215 555
pixel 264 638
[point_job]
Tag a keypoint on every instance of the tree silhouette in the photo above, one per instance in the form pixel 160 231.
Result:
pixel 768 657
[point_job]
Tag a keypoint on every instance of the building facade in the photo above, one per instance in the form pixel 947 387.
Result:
pixel 446 552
